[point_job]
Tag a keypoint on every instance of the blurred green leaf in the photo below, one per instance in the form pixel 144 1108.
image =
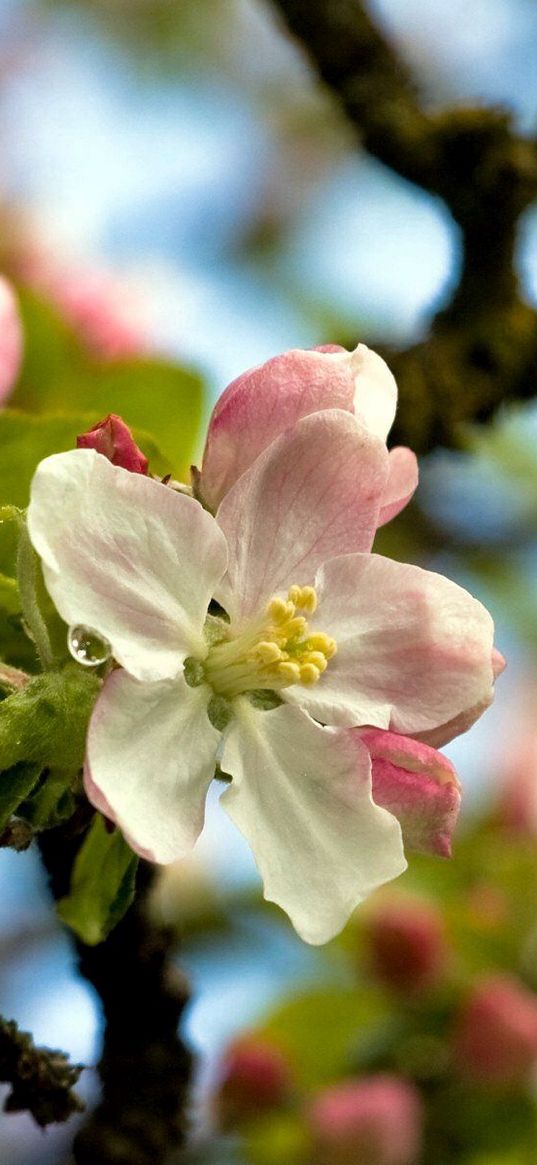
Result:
pixel 102 885
pixel 157 399
pixel 25 440
pixel 320 1031
pixel 278 1139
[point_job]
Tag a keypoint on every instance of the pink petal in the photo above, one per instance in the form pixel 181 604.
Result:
pixel 402 483
pixel 413 648
pixel 418 785
pixel 130 558
pixel 265 401
pixel 11 339
pixel 313 494
pixel 459 724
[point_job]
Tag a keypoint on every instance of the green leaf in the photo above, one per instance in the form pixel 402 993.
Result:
pixel 156 398
pixel 46 722
pixel 51 801
pixel 102 885
pixel 162 400
pixel 24 442
pixel 15 784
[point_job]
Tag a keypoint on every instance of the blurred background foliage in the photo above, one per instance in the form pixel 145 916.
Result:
pixel 180 199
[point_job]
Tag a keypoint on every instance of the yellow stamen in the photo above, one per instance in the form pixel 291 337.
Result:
pixel 309 674
pixel 289 672
pixel 323 643
pixel 274 653
pixel 267 652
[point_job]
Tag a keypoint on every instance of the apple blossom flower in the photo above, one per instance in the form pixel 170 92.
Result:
pixel 312 636
pixel 11 340
pixel 495 1040
pixel 263 402
pixel 113 438
pixel 376 1120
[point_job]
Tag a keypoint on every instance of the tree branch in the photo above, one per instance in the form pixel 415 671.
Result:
pixel 482 349
pixel 145 1067
pixel 41 1079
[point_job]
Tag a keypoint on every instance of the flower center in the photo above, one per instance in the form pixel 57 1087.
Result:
pixel 274 653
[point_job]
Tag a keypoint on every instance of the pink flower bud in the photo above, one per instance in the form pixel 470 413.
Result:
pixel 255 1078
pixel 418 785
pixel 407 944
pixel 11 341
pixel 374 1121
pixel 495 1039
pixel 113 438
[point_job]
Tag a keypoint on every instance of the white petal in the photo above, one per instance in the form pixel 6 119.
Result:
pixel 314 493
pixel 127 556
pixel 151 757
pixel 301 795
pixel 413 648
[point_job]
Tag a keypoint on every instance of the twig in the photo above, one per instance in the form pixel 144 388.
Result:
pixel 482 349
pixel 41 1080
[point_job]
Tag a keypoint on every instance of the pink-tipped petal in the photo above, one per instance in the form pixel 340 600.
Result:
pixel 11 340
pixel 265 401
pixel 113 545
pixel 402 482
pixel 314 493
pixel 418 785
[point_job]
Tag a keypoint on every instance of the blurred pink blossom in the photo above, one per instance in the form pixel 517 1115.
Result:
pixel 373 1121
pixel 516 764
pixel 407 944
pixel 104 309
pixel 11 340
pixel 255 1078
pixel 495 1039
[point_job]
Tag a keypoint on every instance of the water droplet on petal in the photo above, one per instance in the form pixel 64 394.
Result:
pixel 88 647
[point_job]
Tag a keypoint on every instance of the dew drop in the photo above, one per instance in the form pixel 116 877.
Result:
pixel 87 647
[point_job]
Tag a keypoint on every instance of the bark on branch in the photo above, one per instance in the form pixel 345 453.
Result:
pixel 145 1067
pixel 482 349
